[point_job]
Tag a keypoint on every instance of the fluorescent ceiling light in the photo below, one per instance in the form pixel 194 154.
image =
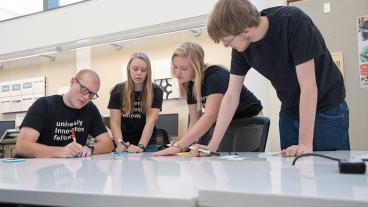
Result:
pixel 28 56
pixel 114 38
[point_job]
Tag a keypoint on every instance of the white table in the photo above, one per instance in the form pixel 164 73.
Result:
pixel 140 180
pixel 101 180
pixel 272 181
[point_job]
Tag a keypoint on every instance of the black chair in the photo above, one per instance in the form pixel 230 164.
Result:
pixel 246 135
pixel 163 138
pixel 7 142
pixel 206 138
pixel 243 135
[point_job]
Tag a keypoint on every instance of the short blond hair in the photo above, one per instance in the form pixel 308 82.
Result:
pixel 231 17
pixel 90 73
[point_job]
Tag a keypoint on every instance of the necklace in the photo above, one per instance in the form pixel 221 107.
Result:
pixel 137 96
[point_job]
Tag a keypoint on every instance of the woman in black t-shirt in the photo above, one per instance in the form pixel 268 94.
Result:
pixel 134 108
pixel 208 84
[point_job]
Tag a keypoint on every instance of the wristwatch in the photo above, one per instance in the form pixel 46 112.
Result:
pixel 91 147
pixel 142 146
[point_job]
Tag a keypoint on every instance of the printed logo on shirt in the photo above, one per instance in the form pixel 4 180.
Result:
pixel 63 130
pixel 137 112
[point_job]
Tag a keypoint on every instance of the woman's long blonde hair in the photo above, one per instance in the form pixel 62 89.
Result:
pixel 195 55
pixel 128 90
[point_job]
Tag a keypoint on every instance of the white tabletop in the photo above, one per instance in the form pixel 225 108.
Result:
pixel 141 180
pixel 103 180
pixel 273 181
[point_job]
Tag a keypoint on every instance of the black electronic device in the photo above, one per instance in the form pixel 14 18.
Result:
pixel 7 130
pixel 345 166
pixel 169 122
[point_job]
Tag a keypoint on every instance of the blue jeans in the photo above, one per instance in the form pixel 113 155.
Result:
pixel 331 129
pixel 151 148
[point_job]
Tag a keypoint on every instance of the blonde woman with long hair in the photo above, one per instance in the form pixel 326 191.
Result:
pixel 134 108
pixel 203 86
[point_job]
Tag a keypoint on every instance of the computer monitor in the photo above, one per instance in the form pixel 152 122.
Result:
pixel 6 124
pixel 169 122
pixel 106 121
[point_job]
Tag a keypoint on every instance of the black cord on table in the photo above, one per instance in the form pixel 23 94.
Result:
pixel 315 154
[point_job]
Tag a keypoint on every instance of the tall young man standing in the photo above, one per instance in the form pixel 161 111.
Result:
pixel 285 46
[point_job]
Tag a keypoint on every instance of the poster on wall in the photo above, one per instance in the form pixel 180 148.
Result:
pixel 363 50
pixel 163 77
pixel 169 87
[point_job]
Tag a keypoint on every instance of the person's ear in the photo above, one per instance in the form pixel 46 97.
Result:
pixel 245 32
pixel 72 81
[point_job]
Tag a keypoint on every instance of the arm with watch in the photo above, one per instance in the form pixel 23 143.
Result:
pixel 183 143
pixel 87 150
pixel 146 135
pixel 103 145
pixel 198 125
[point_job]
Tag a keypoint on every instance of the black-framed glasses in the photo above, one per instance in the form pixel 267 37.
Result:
pixel 227 43
pixel 84 90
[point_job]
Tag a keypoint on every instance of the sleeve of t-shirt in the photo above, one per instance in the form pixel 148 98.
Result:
pixel 97 126
pixel 115 97
pixel 239 65
pixel 157 97
pixel 305 40
pixel 190 98
pixel 36 116
pixel 217 82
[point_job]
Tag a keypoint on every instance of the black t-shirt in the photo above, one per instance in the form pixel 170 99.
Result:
pixel 54 121
pixel 132 125
pixel 292 39
pixel 216 80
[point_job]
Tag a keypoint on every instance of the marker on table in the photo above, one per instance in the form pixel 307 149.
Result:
pixel 206 151
pixel 12 160
pixel 73 135
pixel 116 154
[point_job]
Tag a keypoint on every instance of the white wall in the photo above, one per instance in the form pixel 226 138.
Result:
pixel 339 28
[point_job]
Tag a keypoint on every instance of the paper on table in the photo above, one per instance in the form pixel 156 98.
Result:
pixel 364 157
pixel 12 160
pixel 119 153
pixel 233 157
pixel 269 154
pixel 183 154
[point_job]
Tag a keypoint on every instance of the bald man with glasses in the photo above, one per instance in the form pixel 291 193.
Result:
pixel 58 126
